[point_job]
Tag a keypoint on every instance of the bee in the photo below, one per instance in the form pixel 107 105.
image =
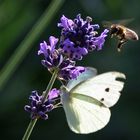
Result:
pixel 122 33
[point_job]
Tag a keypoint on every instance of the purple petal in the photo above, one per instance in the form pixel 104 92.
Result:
pixel 60 60
pixel 65 23
pixel 27 108
pixel 53 93
pixel 68 43
pixel 53 41
pixel 46 63
pixel 43 48
pixel 77 71
pixel 99 42
pixel 83 51
pixel 43 115
pixel 96 26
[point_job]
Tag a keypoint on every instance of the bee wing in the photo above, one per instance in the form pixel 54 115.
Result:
pixel 107 24
pixel 124 21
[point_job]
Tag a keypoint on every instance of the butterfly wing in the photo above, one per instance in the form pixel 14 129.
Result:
pixel 84 114
pixel 104 88
pixel 88 73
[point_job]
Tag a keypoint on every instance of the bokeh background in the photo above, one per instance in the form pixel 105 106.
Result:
pixel 17 19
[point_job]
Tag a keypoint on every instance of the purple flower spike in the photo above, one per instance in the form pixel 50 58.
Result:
pixel 37 108
pixel 78 37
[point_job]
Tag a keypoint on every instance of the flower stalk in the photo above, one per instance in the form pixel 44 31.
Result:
pixel 29 129
pixel 49 87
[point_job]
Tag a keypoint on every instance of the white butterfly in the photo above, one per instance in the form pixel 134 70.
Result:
pixel 87 99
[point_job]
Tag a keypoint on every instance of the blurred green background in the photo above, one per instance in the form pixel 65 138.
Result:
pixel 17 17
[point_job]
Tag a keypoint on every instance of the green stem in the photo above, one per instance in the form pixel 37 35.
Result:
pixel 45 93
pixel 49 87
pixel 29 129
pixel 26 45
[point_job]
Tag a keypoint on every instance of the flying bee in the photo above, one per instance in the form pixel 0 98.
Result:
pixel 122 33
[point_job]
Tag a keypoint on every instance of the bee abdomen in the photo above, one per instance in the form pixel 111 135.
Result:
pixel 130 34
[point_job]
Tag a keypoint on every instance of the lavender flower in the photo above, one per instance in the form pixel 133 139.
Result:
pixel 53 57
pixel 79 36
pixel 37 108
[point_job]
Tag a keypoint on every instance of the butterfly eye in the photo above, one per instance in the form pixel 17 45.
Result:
pixel 107 89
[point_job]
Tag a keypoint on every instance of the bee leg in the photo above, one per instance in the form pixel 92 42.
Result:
pixel 112 35
pixel 120 44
